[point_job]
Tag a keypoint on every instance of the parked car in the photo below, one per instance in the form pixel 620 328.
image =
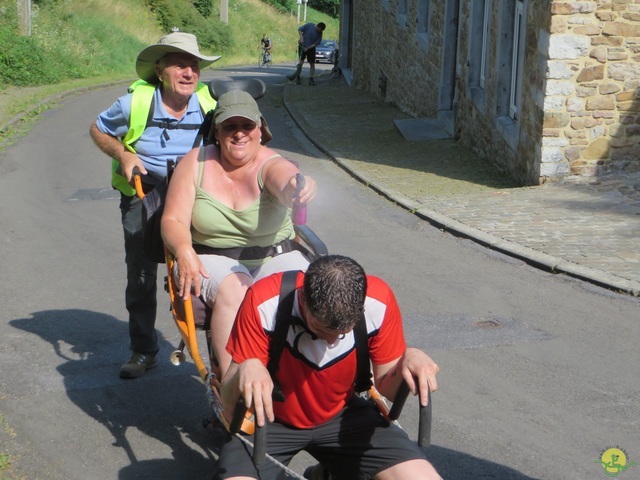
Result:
pixel 326 51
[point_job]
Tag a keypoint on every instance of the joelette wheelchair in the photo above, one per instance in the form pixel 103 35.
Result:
pixel 193 315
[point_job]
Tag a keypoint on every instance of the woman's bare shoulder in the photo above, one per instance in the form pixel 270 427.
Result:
pixel 268 155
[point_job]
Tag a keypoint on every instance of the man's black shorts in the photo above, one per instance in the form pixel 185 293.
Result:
pixel 357 444
pixel 310 54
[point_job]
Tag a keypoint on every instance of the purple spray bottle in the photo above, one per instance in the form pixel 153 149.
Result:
pixel 299 212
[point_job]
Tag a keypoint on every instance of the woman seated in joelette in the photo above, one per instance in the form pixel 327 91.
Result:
pixel 227 217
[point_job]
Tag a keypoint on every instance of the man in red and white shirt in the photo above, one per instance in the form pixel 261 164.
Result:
pixel 317 370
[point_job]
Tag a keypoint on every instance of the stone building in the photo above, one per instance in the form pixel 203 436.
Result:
pixel 543 88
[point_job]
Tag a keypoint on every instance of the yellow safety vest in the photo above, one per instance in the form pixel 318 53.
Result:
pixel 142 95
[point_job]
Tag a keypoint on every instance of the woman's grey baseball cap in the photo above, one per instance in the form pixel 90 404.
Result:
pixel 238 103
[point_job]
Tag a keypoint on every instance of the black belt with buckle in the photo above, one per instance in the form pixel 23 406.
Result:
pixel 250 253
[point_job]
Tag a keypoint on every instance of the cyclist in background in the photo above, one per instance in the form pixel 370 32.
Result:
pixel 266 44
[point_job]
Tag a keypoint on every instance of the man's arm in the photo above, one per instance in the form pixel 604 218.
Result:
pixel 415 367
pixel 250 379
pixel 112 147
pixel 279 177
pixel 248 346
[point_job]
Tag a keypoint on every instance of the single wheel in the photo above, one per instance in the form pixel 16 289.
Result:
pixel 261 60
pixel 335 71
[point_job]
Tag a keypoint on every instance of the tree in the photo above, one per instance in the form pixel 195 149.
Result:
pixel 204 7
pixel 330 7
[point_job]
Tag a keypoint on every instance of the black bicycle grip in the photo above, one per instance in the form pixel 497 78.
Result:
pixel 259 444
pixel 238 416
pixel 424 425
pixel 398 403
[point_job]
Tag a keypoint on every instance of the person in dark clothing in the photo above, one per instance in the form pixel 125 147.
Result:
pixel 310 37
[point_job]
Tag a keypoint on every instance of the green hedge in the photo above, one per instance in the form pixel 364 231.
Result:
pixel 284 6
pixel 212 34
pixel 23 60
pixel 330 7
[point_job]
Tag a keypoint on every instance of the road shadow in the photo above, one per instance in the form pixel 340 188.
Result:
pixel 162 408
pixel 613 196
pixel 137 413
pixel 357 126
pixel 455 465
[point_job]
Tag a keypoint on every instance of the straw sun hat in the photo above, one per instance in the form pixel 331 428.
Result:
pixel 176 42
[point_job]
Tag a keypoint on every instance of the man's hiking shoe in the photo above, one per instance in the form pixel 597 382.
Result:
pixel 312 82
pixel 291 78
pixel 137 365
pixel 317 472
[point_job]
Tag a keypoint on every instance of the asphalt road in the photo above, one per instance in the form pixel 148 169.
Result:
pixel 539 373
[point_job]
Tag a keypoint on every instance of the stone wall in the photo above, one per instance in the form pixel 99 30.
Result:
pixel 389 61
pixel 580 100
pixel 482 121
pixel 592 101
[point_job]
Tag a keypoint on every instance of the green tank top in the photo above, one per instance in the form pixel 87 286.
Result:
pixel 264 223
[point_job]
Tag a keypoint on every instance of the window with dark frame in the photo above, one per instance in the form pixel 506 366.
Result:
pixel 423 16
pixel 479 43
pixel 518 43
pixel 510 58
pixel 401 15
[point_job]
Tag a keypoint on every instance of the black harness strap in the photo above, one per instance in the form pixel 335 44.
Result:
pixel 283 320
pixel 279 338
pixel 152 109
pixel 204 134
pixel 363 373
pixel 173 125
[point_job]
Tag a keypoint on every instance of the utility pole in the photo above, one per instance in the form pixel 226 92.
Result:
pixel 305 10
pixel 224 11
pixel 299 2
pixel 24 14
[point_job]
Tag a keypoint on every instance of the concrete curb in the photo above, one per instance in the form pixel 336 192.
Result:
pixel 532 257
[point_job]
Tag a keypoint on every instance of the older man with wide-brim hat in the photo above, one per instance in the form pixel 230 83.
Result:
pixel 175 43
pixel 155 123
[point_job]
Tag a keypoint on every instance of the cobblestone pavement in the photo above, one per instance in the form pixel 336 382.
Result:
pixel 588 228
